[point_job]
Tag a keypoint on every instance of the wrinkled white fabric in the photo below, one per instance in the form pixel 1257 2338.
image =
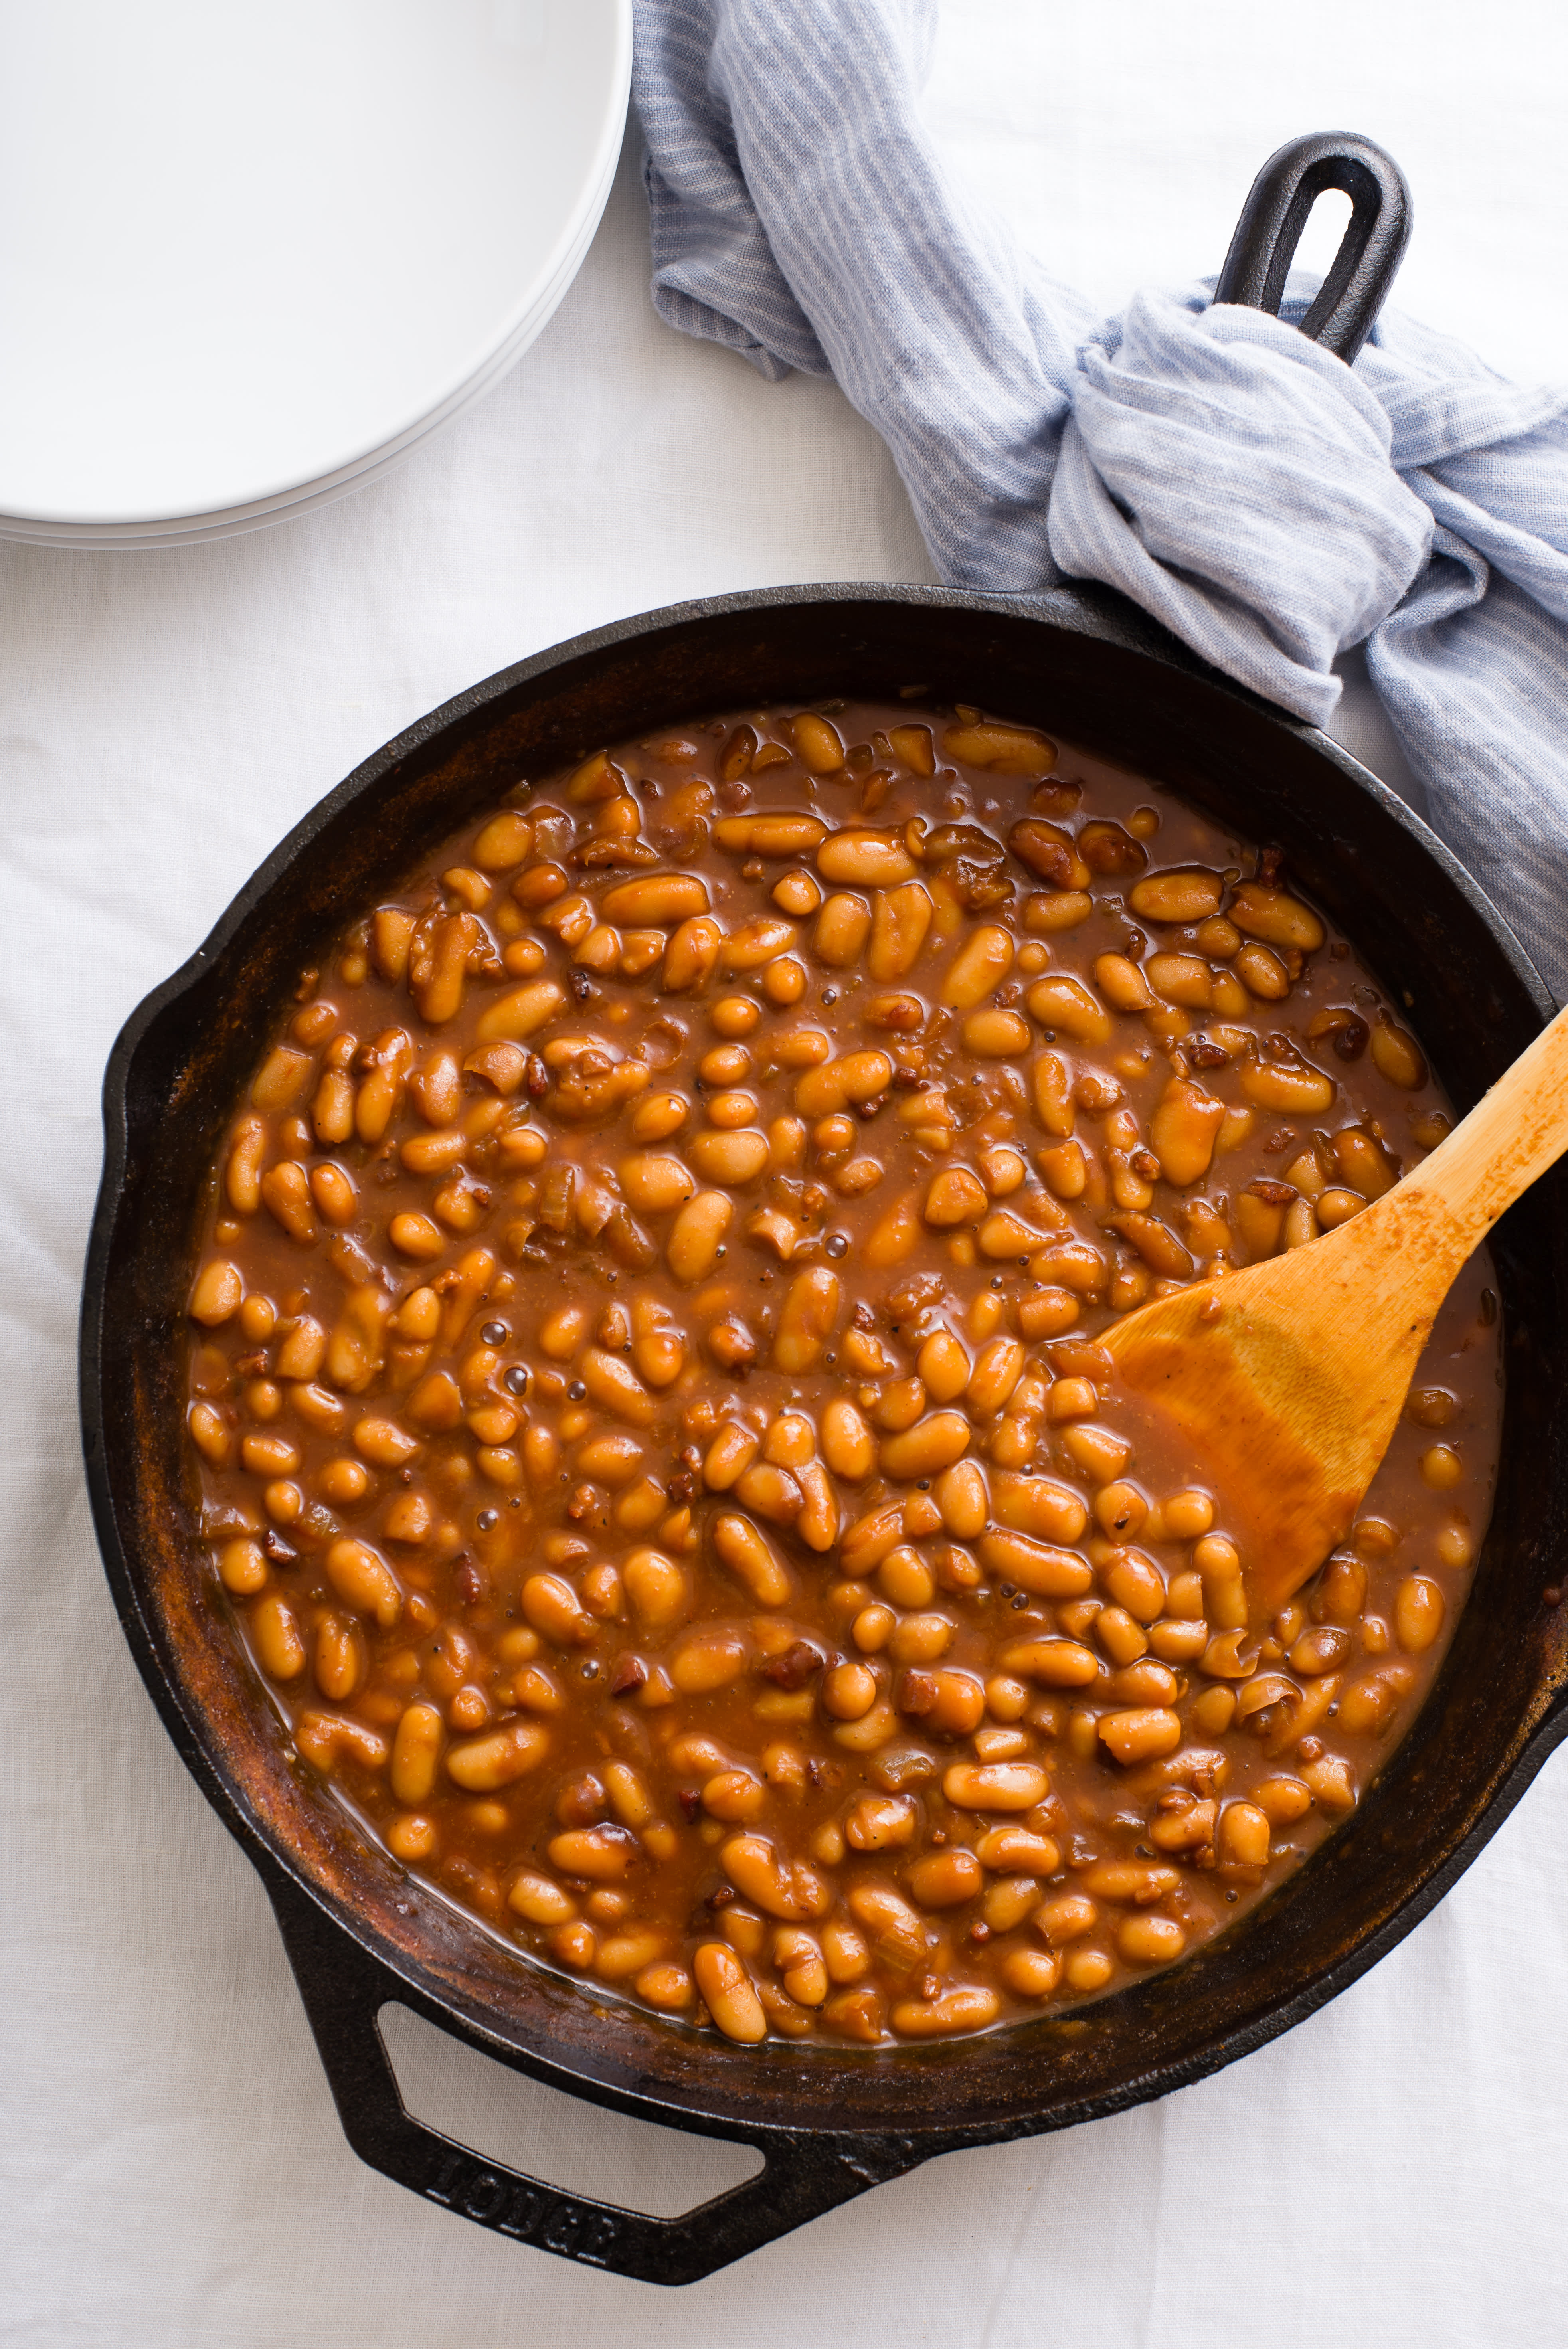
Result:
pixel 1272 506
pixel 1392 2175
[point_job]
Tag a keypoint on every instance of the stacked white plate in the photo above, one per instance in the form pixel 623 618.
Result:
pixel 251 256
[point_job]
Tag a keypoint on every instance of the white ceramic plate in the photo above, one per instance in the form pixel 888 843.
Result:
pixel 249 256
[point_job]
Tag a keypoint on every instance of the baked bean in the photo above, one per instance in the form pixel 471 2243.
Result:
pixel 880 1822
pixel 1181 895
pixel 848 1691
pixel 996 1374
pixel 955 1197
pixel 969 2007
pixel 363 1580
pixel 979 967
pixel 962 1498
pixel 1149 1940
pixel 655 1186
pixel 692 955
pixel 1419 1612
pixel 748 1557
pixel 1065 1006
pixel 600 1855
pixel 730 1994
pixel 996 1786
pixel 1130 1880
pixel 218 1295
pixel 1293 1088
pixel 948 1703
pixel 706 1660
pixel 552 1606
pixel 934 1443
pixel 1441 1467
pixel 1139 1733
pixel 416 1757
pixel 697 1235
pixel 587 1416
pixel 1187 1826
pixel 761 1874
pixel 920 1639
pixel 485 1764
pixel 1054 1662
pixel 865 859
pixel 842 927
pixel 276 1634
pixel 1244 1837
pixel 847 1445
pixel 658 1115
pixel 1036 1566
pixel 1283 1801
pixel 539 1900
pixel 807 1321
pixel 900 920
pixel 1031 1973
pixel 734 1158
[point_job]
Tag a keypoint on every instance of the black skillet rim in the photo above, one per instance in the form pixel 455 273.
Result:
pixel 1095 613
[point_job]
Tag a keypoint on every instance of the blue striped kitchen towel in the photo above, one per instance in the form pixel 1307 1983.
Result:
pixel 1271 505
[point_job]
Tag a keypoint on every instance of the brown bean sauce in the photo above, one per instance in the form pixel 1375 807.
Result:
pixel 651 1433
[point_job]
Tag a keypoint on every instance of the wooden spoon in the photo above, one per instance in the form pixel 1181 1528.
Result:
pixel 1286 1380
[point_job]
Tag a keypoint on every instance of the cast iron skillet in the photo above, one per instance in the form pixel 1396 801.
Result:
pixel 358 1931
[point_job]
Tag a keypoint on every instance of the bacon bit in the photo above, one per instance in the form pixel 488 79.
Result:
pixel 1203 1054
pixel 630 1674
pixel 794 1667
pixel 1271 1194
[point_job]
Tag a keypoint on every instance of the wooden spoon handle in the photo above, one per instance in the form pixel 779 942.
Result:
pixel 1512 1136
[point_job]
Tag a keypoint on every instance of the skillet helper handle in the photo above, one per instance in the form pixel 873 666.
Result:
pixel 1370 251
pixel 343 1990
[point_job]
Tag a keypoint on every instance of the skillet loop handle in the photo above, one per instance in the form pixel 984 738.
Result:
pixel 1371 251
pixel 343 1990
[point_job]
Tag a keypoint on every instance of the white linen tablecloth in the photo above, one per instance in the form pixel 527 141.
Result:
pixel 1394 2172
